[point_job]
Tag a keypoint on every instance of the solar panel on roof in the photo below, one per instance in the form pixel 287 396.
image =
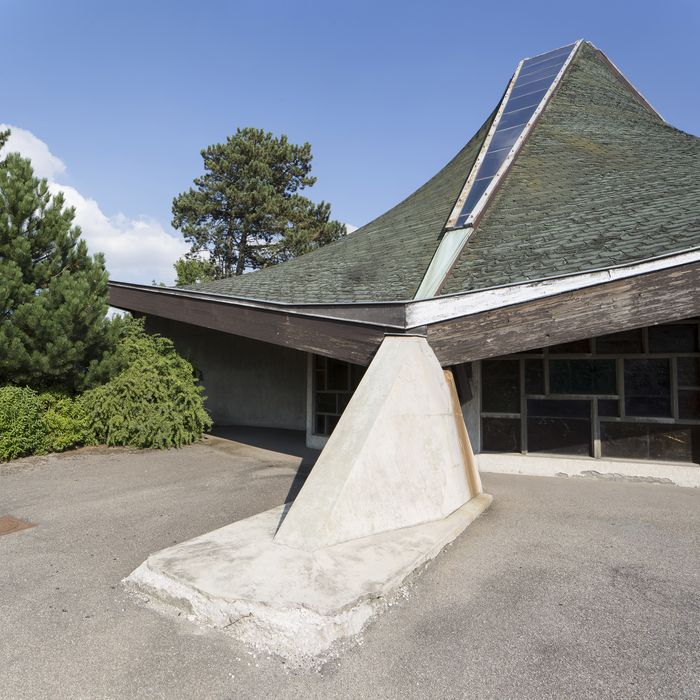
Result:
pixel 532 83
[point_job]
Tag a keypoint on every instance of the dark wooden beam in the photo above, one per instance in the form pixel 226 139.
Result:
pixel 343 340
pixel 655 297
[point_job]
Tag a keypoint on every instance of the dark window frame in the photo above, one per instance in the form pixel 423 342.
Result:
pixel 544 355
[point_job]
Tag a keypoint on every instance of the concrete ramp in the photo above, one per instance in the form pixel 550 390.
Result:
pixel 399 456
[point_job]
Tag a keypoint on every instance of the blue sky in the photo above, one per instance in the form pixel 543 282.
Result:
pixel 125 94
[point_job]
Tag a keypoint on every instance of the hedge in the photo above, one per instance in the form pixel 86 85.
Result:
pixel 150 398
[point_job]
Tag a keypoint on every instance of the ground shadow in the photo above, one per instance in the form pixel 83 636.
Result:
pixel 289 442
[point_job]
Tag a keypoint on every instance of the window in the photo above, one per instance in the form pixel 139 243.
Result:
pixel 582 376
pixel 559 427
pixel 647 388
pixel 633 395
pixel 627 342
pixel 673 338
pixel 501 386
pixel 334 385
pixel 500 434
pixel 674 443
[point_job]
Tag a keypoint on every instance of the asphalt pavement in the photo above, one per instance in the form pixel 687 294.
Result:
pixel 565 588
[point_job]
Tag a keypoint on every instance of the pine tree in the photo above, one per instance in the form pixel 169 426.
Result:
pixel 53 295
pixel 246 211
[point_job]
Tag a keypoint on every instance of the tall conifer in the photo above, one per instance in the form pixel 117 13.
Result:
pixel 53 294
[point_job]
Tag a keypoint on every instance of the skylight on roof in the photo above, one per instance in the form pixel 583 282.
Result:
pixel 531 85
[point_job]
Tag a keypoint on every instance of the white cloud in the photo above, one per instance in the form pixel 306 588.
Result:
pixel 45 163
pixel 136 249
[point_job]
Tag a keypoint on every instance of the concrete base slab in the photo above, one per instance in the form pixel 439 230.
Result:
pixel 550 465
pixel 288 601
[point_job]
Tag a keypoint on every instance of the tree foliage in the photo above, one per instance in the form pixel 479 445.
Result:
pixel 246 211
pixel 193 271
pixel 53 294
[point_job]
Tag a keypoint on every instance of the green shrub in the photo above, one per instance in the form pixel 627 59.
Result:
pixel 67 423
pixel 33 423
pixel 152 399
pixel 21 422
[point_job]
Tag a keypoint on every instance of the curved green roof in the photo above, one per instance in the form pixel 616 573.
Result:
pixel 384 260
pixel 600 181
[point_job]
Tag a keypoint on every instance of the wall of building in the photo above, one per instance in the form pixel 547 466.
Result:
pixel 247 382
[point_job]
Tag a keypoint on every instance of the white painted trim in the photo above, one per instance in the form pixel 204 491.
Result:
pixel 426 311
pixel 550 465
pixel 313 441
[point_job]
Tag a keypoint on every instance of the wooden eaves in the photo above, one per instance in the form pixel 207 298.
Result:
pixel 460 327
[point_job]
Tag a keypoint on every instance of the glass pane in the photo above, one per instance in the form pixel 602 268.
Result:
pixel 541 63
pixel 689 404
pixel 675 443
pixel 491 163
pixel 624 343
pixel 608 407
pixel 566 436
pixel 331 422
pixel 501 386
pixel 582 377
pixel 562 52
pixel 688 371
pixel 338 375
pixel 559 408
pixel 647 388
pixel 500 434
pixel 549 72
pixel 519 116
pixel 321 425
pixel 326 403
pixel 320 379
pixel 477 189
pixel 538 83
pixel 356 374
pixel 678 338
pixel 343 401
pixel 525 101
pixel 534 376
pixel 504 138
pixel 577 347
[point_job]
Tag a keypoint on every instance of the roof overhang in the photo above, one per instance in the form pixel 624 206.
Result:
pixel 460 327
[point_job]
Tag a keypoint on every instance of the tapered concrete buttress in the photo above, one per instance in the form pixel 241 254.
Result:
pixel 399 456
pixel 395 484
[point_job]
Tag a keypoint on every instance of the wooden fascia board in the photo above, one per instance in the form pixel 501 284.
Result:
pixel 654 297
pixel 385 314
pixel 460 328
pixel 341 339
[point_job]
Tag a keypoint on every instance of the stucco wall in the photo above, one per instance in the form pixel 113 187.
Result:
pixel 247 382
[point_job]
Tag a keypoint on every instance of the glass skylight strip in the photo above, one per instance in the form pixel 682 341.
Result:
pixel 532 85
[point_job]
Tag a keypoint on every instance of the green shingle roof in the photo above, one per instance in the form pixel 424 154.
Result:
pixel 599 182
pixel 382 261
